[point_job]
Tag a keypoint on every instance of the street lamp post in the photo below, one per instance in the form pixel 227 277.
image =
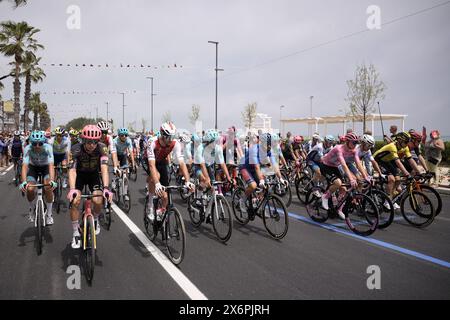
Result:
pixel 107 111
pixel 123 109
pixel 281 107
pixel 151 113
pixel 310 115
pixel 217 70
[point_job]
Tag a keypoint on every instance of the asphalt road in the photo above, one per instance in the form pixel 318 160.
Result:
pixel 312 262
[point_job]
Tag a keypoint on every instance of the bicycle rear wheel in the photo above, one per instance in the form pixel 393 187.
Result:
pixel 362 215
pixel 89 249
pixel 302 186
pixel 314 205
pixel 221 220
pixel 58 194
pixel 417 209
pixel 150 226
pixel 195 212
pixel 285 193
pixel 275 217
pixel 241 217
pixel 175 236
pixel 434 197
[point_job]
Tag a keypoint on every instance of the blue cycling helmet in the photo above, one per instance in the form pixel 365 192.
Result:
pixel 122 131
pixel 211 135
pixel 37 136
pixel 329 138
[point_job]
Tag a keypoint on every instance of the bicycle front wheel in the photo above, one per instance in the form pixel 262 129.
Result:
pixel 39 227
pixel 221 218
pixel 241 217
pixel 417 209
pixel 385 208
pixel 175 236
pixel 361 214
pixel 302 186
pixel 314 205
pixel 89 249
pixel 275 217
pixel 434 197
pixel 150 225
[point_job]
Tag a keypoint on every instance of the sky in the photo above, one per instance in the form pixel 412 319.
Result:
pixel 273 53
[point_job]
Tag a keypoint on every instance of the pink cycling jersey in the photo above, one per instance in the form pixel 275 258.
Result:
pixel 339 155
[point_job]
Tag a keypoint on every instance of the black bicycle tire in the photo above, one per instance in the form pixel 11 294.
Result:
pixel 195 222
pixel 235 205
pixel 39 228
pixel 385 197
pixel 297 187
pixel 429 220
pixel 273 197
pixel 150 227
pixel 89 252
pixel 367 199
pixel 180 222
pixel 309 199
pixel 436 194
pixel 230 220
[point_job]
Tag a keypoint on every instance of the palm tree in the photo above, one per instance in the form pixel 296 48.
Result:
pixel 15 40
pixel 38 108
pixel 44 118
pixel 32 73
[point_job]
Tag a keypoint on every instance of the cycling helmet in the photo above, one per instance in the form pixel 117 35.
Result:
pixel 168 129
pixel 276 138
pixel 211 135
pixel 415 136
pixel 329 138
pixel 315 136
pixel 435 134
pixel 184 138
pixel 17 133
pixel 37 136
pixel 368 140
pixel 60 131
pixel 123 131
pixel 91 132
pixel 298 139
pixel 103 125
pixel 403 137
pixel 74 133
pixel 351 137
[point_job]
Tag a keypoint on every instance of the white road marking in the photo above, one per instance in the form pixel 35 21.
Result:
pixel 185 284
pixel 7 169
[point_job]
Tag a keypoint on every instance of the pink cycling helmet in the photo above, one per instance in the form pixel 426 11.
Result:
pixel 91 132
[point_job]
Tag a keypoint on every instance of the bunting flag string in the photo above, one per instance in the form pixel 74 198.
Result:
pixel 97 92
pixel 107 65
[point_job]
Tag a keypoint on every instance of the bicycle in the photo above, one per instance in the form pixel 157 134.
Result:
pixel 384 204
pixel 422 185
pixel 171 226
pixel 361 213
pixel 18 171
pixel 88 237
pixel 284 192
pixel 39 216
pixel 221 221
pixel 416 207
pixel 262 203
pixel 120 188
pixel 58 190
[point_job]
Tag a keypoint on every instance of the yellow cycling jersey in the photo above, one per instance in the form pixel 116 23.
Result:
pixel 390 153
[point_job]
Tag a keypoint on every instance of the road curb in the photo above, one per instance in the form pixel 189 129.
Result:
pixel 443 190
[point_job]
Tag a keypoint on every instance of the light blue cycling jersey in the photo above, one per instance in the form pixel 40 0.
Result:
pixel 209 154
pixel 38 159
pixel 256 155
pixel 62 147
pixel 121 147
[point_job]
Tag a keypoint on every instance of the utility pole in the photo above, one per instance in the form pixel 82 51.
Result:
pixel 151 111
pixel 123 109
pixel 107 111
pixel 217 70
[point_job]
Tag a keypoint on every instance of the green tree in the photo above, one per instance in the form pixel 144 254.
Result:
pixel 15 40
pixel 364 91
pixel 79 123
pixel 249 115
pixel 37 107
pixel 33 74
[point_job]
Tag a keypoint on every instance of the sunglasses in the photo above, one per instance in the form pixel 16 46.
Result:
pixel 34 144
pixel 104 131
pixel 94 142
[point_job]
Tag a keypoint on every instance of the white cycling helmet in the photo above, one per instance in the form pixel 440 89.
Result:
pixel 315 136
pixel 103 125
pixel 168 129
pixel 368 139
pixel 185 138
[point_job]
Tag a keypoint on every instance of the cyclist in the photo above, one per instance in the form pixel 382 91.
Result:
pixel 389 160
pixel 16 150
pixel 257 155
pixel 341 156
pixel 232 150
pixel 74 137
pixel 61 148
pixel 38 160
pixel 328 143
pixel 298 150
pixel 124 147
pixel 416 152
pixel 158 151
pixel 208 153
pixel 108 140
pixel 88 159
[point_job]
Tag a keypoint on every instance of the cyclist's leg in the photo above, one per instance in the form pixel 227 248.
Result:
pixel 49 197
pixel 164 180
pixel 32 176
